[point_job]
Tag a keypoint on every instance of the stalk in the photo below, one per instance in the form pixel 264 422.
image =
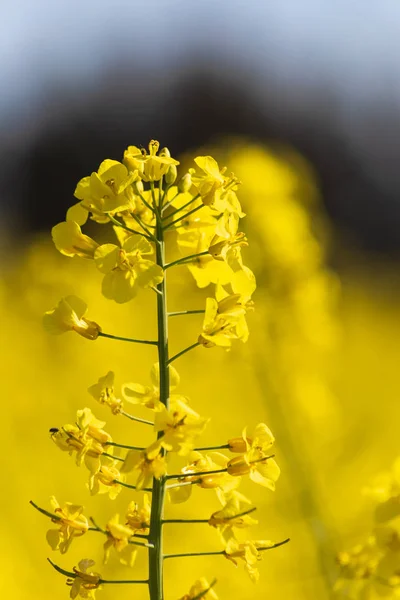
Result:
pixel 157 504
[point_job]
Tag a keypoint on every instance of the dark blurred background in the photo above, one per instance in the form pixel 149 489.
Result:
pixel 82 80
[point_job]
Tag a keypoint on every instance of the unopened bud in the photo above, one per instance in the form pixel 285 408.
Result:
pixel 139 186
pixel 171 175
pixel 238 466
pixel 185 183
pixel 165 152
pixel 238 444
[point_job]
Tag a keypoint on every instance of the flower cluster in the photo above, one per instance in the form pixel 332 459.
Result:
pixel 142 202
pixel 373 567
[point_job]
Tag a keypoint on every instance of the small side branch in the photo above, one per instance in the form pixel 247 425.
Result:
pixel 182 352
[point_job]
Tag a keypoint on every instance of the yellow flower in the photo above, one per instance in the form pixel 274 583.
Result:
pixel 86 438
pixel 205 269
pixel 180 425
pixel 248 552
pixel 103 392
pixel 149 396
pixel 84 583
pixel 224 320
pixel 138 519
pixel 201 589
pixel 125 268
pixel 71 523
pixel 69 316
pixel 148 463
pixel 118 537
pixel 215 188
pixel 221 482
pixel 104 481
pixel 69 240
pixel 151 167
pixel 107 191
pixel 231 516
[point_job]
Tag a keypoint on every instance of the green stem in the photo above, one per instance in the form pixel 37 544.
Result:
pixel 138 420
pixel 186 312
pixel 149 235
pixel 113 457
pixel 167 204
pixel 124 581
pixel 131 487
pixel 206 448
pixel 185 521
pixel 45 512
pixel 143 199
pixel 185 259
pixel 124 446
pixel 185 216
pixel 72 575
pixel 182 352
pixel 125 339
pixel 182 207
pixel 222 552
pixel 196 474
pixel 157 504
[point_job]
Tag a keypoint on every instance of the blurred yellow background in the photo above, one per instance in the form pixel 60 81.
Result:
pixel 320 368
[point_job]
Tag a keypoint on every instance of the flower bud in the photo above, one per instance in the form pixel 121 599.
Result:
pixel 238 466
pixel 238 444
pixel 139 186
pixel 185 183
pixel 165 152
pixel 171 175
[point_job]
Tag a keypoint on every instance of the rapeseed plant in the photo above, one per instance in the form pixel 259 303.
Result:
pixel 146 207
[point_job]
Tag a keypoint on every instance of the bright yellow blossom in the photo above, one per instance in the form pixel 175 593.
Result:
pixel 118 536
pixel 86 438
pixel 224 321
pixel 221 482
pixel 201 589
pixel 70 241
pixel 103 392
pixel 125 268
pixel 248 552
pixel 71 523
pixel 151 167
pixel 231 516
pixel 69 316
pixel 104 481
pixel 180 425
pixel 149 396
pixel 215 188
pixel 84 583
pixel 138 518
pixel 109 190
pixel 147 463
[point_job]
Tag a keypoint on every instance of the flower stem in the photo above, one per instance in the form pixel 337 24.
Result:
pixel 185 259
pixel 183 216
pixel 206 448
pixel 124 446
pixel 125 339
pixel 185 521
pixel 182 207
pixel 186 312
pixel 157 504
pixel 45 512
pixel 182 352
pixel 195 474
pixel 139 420
pixel 149 235
pixel 132 487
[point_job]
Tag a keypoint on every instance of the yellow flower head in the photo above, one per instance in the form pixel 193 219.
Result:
pixel 125 268
pixel 105 480
pixel 87 438
pixel 147 463
pixel 138 518
pixel 149 396
pixel 201 589
pixel 180 425
pixel 249 553
pixel 70 241
pixel 84 583
pixel 108 190
pixel 118 536
pixel 103 392
pixel 70 523
pixel 150 166
pixel 232 515
pixel 215 188
pixel 224 320
pixel 69 316
pixel 221 482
